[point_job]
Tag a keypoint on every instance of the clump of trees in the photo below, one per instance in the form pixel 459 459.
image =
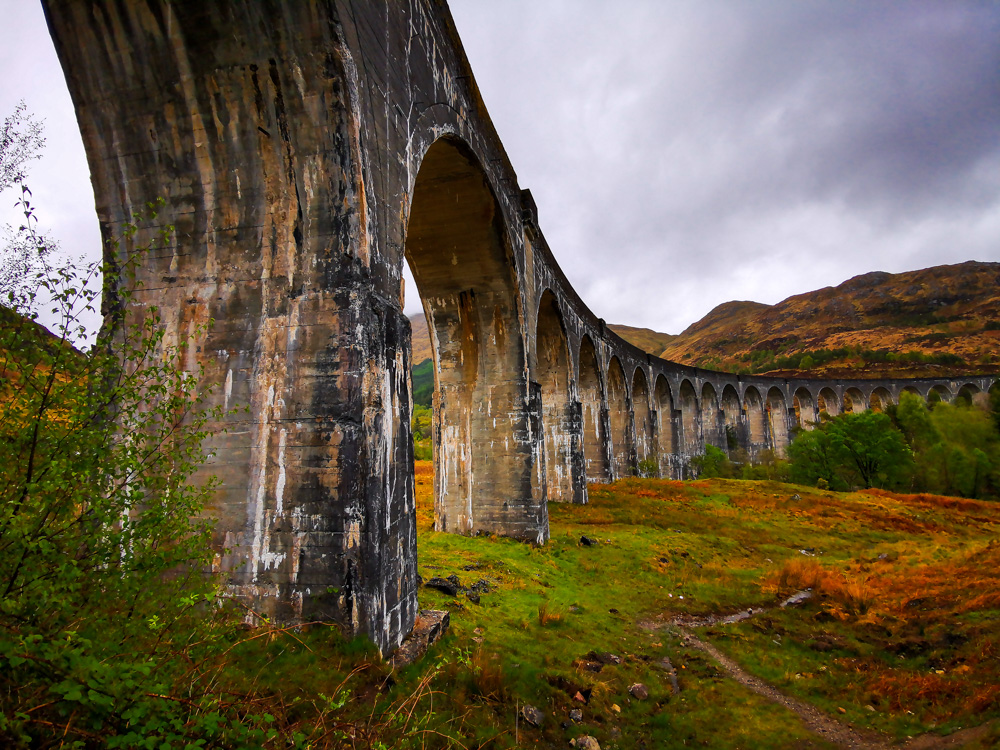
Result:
pixel 915 446
pixel 764 360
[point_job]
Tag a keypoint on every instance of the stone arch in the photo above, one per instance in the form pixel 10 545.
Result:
pixel 665 412
pixel 590 390
pixel 827 402
pixel 691 440
pixel 880 399
pixel 730 406
pixel 459 252
pixel 969 394
pixel 777 420
pixel 753 411
pixel 854 401
pixel 618 419
pixel 642 416
pixel 938 392
pixel 711 420
pixel 552 373
pixel 806 413
pixel 910 389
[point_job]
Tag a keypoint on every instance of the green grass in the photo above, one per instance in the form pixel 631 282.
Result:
pixel 901 636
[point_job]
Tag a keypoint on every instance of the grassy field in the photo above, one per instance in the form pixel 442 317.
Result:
pixel 901 635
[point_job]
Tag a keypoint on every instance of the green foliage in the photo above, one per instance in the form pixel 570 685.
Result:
pixel 861 449
pixel 713 463
pixel 957 447
pixel 421 426
pixel 766 465
pixel 649 468
pixel 812 460
pixel 936 447
pixel 102 545
pixel 422 377
pixel 764 360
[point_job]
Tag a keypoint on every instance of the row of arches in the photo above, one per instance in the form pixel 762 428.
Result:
pixel 522 419
pixel 627 425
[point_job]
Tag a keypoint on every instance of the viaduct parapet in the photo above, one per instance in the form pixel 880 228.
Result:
pixel 305 149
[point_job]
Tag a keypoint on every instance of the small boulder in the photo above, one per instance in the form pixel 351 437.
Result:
pixel 482 586
pixel 605 657
pixel 639 691
pixel 454 579
pixel 586 742
pixel 443 585
pixel 586 541
pixel 576 715
pixel 532 715
pixel 472 596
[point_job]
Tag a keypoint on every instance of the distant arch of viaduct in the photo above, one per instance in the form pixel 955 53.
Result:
pixel 304 151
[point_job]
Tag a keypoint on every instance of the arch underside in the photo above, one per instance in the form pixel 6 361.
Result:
pixel 460 256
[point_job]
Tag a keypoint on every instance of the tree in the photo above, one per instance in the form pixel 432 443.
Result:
pixel 21 141
pixel 868 443
pixel 712 463
pixel 812 459
pixel 852 449
pixel 24 252
pixel 104 601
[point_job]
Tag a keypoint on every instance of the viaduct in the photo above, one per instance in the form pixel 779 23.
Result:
pixel 305 149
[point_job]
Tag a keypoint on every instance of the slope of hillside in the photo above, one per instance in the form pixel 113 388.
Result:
pixel 420 339
pixel 937 321
pixel 644 338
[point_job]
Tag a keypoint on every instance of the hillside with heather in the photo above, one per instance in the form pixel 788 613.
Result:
pixel 939 321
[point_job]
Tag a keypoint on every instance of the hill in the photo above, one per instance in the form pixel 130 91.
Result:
pixel 644 338
pixel 420 339
pixel 943 321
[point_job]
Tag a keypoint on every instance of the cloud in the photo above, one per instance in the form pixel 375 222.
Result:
pixel 730 150
pixel 690 152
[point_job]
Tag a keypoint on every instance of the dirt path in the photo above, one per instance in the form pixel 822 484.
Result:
pixel 833 731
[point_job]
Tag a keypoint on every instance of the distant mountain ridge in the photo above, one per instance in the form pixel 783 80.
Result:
pixel 948 314
pixel 938 321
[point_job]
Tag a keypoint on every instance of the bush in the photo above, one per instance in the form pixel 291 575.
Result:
pixel 712 463
pixel 649 468
pixel 111 633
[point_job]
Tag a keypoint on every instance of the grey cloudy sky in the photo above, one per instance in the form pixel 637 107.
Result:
pixel 683 154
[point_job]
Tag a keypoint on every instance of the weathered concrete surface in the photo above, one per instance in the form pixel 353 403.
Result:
pixel 303 150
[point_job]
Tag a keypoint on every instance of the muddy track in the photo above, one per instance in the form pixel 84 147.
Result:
pixel 826 727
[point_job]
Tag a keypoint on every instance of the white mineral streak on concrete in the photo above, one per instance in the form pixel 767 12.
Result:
pixel 228 390
pixel 279 488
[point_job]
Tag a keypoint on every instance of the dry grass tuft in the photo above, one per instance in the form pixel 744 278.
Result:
pixel 546 618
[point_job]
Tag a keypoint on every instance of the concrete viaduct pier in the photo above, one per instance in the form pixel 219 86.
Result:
pixel 304 150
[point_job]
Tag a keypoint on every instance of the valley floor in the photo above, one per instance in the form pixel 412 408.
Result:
pixel 899 637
